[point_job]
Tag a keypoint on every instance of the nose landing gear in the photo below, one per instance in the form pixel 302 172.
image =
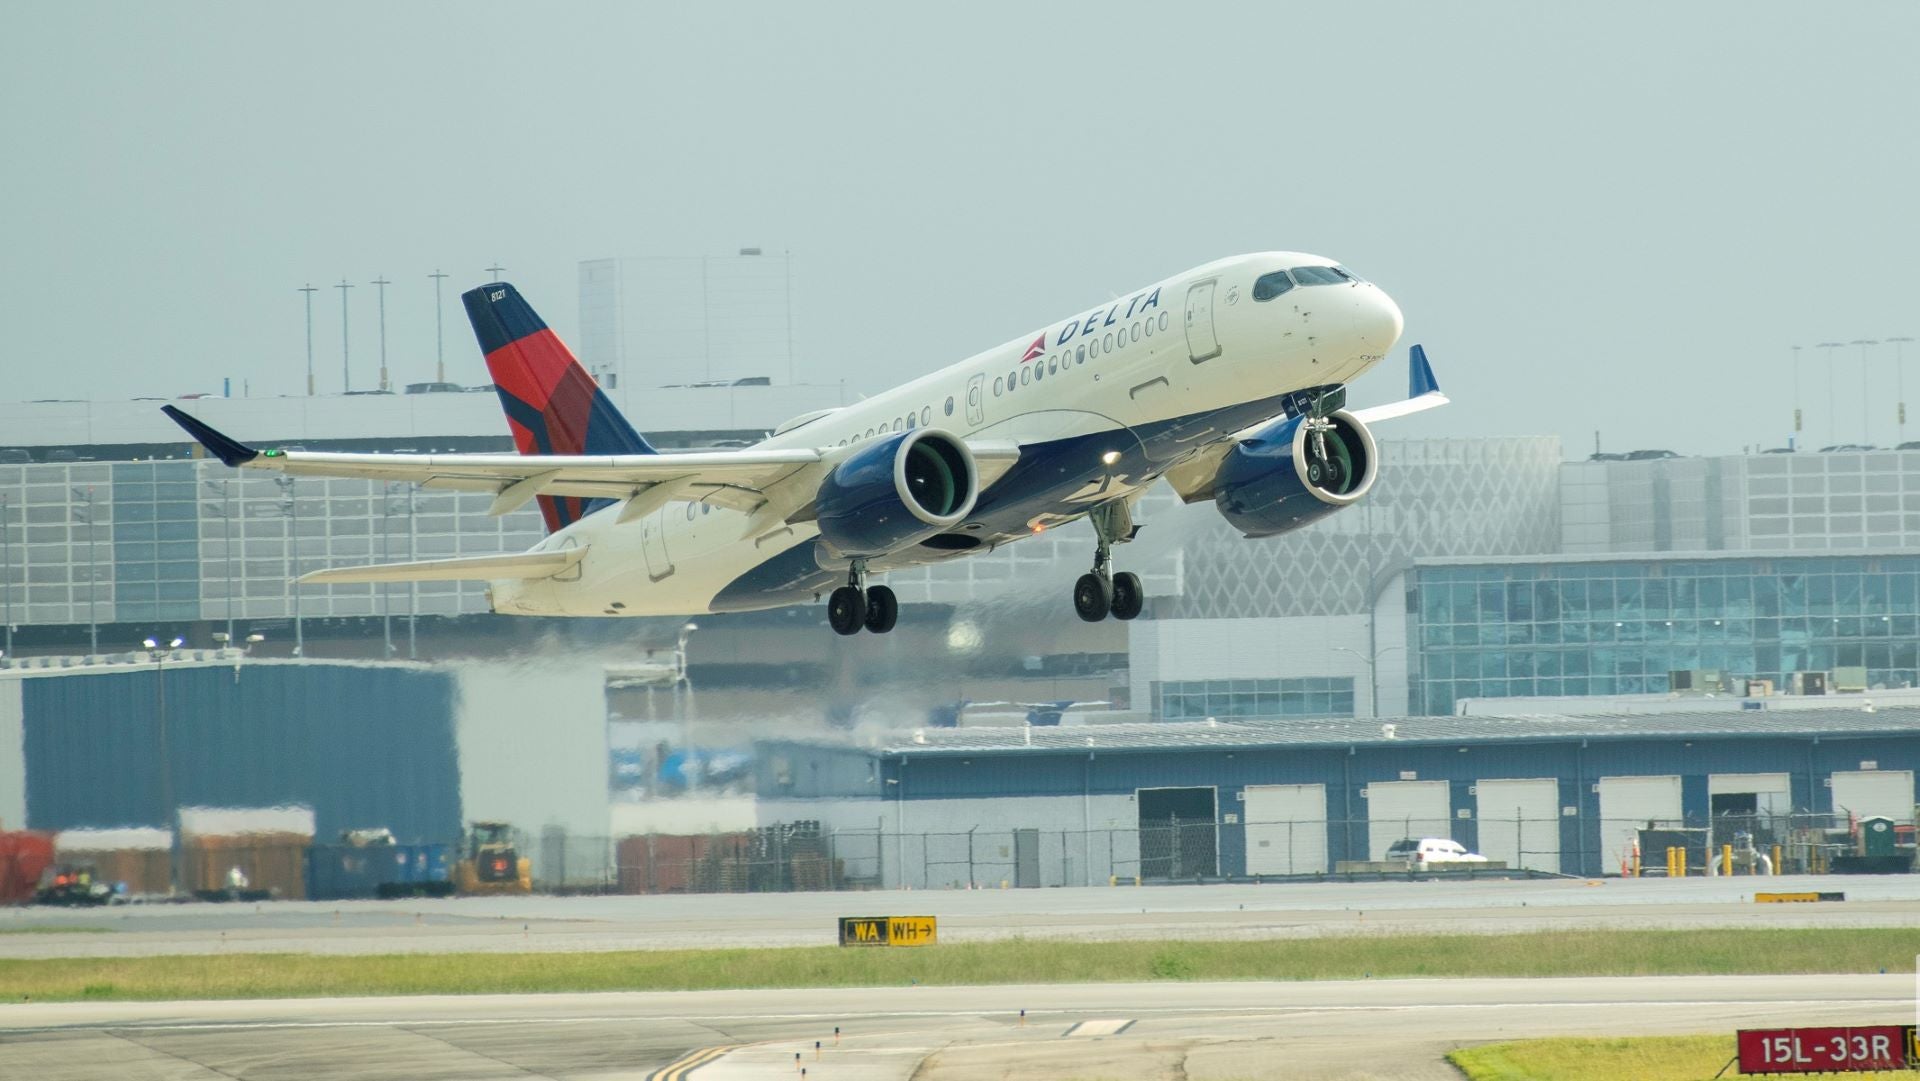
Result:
pixel 1100 592
pixel 853 607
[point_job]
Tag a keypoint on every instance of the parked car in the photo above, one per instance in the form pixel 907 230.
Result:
pixel 1431 850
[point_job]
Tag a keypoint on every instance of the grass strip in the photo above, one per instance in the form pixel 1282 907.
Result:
pixel 1642 1058
pixel 1531 954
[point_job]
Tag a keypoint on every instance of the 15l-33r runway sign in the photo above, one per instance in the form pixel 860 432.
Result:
pixel 1825 1050
pixel 888 931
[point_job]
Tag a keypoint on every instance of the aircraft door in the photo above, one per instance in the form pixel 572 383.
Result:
pixel 977 400
pixel 1201 344
pixel 653 541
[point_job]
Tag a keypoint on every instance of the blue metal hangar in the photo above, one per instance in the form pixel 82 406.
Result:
pixel 1076 805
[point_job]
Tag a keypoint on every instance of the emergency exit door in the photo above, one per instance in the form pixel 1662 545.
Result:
pixel 1201 343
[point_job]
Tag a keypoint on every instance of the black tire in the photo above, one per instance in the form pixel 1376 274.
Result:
pixel 846 610
pixel 1092 597
pixel 883 610
pixel 1128 597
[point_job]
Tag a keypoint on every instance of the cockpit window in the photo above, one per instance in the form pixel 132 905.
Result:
pixel 1350 274
pixel 1320 275
pixel 1268 286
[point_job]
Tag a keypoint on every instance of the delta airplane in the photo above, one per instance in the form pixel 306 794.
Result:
pixel 1228 380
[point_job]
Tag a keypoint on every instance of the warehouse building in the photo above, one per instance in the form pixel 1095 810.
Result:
pixel 1080 805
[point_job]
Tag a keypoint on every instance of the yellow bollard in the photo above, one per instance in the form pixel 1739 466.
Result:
pixel 1726 860
pixel 1776 860
pixel 1683 861
pixel 1136 880
pixel 1113 880
pixel 1672 863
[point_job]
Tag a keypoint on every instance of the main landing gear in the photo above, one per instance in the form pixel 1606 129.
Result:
pixel 1101 593
pixel 852 607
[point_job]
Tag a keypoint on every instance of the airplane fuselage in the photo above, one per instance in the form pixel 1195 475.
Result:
pixel 1100 405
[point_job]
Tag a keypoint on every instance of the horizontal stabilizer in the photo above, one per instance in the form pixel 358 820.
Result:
pixel 471 568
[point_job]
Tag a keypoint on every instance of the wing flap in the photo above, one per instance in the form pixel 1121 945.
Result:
pixel 470 568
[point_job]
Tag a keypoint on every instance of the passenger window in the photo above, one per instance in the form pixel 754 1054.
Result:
pixel 1039 372
pixel 1107 343
pixel 1136 332
pixel 926 415
pixel 949 405
pixel 1013 380
pixel 1026 376
pixel 1066 359
pixel 997 384
pixel 690 507
pixel 1093 348
pixel 1080 354
pixel 1053 365
pixel 869 433
pixel 910 419
pixel 1149 328
pixel 1163 320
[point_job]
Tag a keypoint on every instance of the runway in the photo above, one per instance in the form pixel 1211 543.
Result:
pixel 677 921
pixel 1319 1032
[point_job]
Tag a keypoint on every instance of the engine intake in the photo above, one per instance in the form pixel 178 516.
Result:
pixel 1280 480
pixel 896 492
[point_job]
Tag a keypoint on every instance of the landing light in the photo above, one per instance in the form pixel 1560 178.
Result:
pixel 1110 457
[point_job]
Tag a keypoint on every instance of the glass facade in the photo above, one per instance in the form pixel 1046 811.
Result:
pixel 1241 699
pixel 1618 627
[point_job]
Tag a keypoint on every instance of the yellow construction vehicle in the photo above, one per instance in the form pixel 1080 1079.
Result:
pixel 490 864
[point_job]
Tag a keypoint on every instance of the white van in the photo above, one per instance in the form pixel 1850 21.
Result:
pixel 1431 850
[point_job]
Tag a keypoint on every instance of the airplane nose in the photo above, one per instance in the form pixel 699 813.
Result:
pixel 1383 320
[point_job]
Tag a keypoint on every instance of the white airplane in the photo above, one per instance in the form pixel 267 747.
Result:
pixel 1228 380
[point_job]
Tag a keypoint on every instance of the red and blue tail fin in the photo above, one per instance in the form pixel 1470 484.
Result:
pixel 553 406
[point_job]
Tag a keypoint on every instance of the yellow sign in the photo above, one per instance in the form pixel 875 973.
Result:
pixel 888 930
pixel 1796 898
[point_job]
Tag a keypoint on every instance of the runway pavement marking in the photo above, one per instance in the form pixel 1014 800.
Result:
pixel 686 1064
pixel 1112 1026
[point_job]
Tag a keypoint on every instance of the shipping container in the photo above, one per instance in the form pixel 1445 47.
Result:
pixel 23 856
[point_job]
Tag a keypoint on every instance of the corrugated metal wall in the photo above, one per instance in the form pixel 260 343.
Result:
pixel 362 745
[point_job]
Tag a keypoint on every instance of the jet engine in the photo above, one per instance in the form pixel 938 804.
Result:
pixel 896 492
pixel 1295 472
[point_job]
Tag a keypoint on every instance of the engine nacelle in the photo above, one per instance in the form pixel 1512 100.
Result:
pixel 1276 482
pixel 896 492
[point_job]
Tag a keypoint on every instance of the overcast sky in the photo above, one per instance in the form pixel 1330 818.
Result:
pixel 1599 216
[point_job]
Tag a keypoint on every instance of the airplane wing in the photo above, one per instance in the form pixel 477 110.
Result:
pixel 1423 392
pixel 467 568
pixel 773 485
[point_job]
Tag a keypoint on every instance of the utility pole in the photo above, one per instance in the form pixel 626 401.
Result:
pixel 1866 428
pixel 496 271
pixel 1900 384
pixel 1833 414
pixel 346 372
pixel 309 290
pixel 381 283
pixel 439 340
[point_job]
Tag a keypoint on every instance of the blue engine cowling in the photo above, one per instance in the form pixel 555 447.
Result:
pixel 1275 482
pixel 896 492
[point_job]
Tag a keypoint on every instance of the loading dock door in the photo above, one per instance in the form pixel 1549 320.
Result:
pixel 1764 794
pixel 1627 804
pixel 1179 833
pixel 1884 792
pixel 1520 822
pixel 1286 829
pixel 1397 810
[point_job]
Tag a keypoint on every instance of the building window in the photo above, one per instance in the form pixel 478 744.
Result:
pixel 1252 699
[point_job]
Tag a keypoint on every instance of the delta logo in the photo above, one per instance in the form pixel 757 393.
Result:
pixel 1038 347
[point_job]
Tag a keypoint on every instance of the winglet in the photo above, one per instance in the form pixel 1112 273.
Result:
pixel 1420 378
pixel 224 447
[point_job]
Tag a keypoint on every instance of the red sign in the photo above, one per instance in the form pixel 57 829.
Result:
pixel 1823 1050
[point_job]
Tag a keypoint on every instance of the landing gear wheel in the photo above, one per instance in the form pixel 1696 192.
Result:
pixel 1092 597
pixel 1128 598
pixel 846 610
pixel 883 610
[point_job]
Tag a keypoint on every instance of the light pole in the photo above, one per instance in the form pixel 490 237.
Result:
pixel 290 509
pixel 1833 412
pixel 6 555
pixel 1373 683
pixel 158 654
pixel 496 270
pixel 1866 428
pixel 93 621
pixel 346 370
pixel 1793 442
pixel 680 682
pixel 439 340
pixel 381 284
pixel 309 290
pixel 226 514
pixel 1900 385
